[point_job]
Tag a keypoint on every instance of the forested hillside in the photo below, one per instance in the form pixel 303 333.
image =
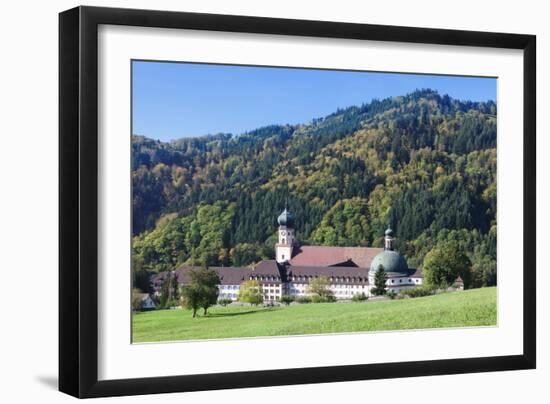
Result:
pixel 423 163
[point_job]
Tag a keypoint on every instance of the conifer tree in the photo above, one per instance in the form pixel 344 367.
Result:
pixel 380 281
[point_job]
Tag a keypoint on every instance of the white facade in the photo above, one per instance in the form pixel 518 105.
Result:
pixel 343 288
pixel 345 291
pixel 229 292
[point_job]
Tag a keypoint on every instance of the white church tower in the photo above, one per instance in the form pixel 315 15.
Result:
pixel 283 249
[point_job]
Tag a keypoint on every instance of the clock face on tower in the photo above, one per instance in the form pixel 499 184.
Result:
pixel 283 232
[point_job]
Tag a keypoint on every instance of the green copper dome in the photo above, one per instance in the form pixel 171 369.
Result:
pixel 286 219
pixel 389 232
pixel 393 263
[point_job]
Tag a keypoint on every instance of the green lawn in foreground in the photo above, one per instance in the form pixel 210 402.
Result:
pixel 476 307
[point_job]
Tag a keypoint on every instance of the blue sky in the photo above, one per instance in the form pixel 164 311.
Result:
pixel 175 100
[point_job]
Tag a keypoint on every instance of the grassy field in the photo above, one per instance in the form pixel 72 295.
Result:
pixel 475 307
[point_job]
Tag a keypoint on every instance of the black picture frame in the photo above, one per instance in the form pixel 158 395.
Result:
pixel 78 201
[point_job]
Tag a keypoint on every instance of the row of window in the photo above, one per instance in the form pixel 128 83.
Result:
pixel 303 278
pixel 410 280
pixel 265 278
pixel 230 286
pixel 228 295
pixel 277 287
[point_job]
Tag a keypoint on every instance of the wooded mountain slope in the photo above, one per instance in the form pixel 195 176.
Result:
pixel 423 163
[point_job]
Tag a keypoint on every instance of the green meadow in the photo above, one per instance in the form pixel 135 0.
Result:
pixel 475 307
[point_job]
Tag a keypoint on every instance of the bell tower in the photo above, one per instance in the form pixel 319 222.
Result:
pixel 389 240
pixel 283 249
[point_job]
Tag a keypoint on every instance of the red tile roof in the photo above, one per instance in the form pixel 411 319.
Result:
pixel 228 275
pixel 266 267
pixel 321 256
pixel 345 275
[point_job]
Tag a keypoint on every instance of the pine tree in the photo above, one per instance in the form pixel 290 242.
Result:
pixel 380 281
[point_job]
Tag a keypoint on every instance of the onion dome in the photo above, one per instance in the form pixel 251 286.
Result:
pixel 286 219
pixel 389 232
pixel 394 264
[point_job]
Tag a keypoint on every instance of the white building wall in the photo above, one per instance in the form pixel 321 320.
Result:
pixel 283 253
pixel 342 291
pixel 229 292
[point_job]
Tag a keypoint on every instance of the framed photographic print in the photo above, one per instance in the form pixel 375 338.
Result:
pixel 256 201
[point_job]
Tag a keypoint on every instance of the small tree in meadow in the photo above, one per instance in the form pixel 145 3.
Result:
pixel 251 292
pixel 202 291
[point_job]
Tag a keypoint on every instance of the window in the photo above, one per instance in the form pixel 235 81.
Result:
pixel 400 280
pixel 283 256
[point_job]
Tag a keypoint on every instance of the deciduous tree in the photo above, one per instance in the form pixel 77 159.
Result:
pixel 202 290
pixel 319 290
pixel 444 264
pixel 251 292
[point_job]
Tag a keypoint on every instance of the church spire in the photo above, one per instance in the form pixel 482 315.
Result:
pixel 286 218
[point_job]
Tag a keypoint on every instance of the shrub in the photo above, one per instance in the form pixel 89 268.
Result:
pixel 287 299
pixel 330 298
pixel 391 294
pixel 359 297
pixel 418 292
pixel 303 299
pixel 224 302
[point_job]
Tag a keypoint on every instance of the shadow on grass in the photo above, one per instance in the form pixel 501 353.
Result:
pixel 233 314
